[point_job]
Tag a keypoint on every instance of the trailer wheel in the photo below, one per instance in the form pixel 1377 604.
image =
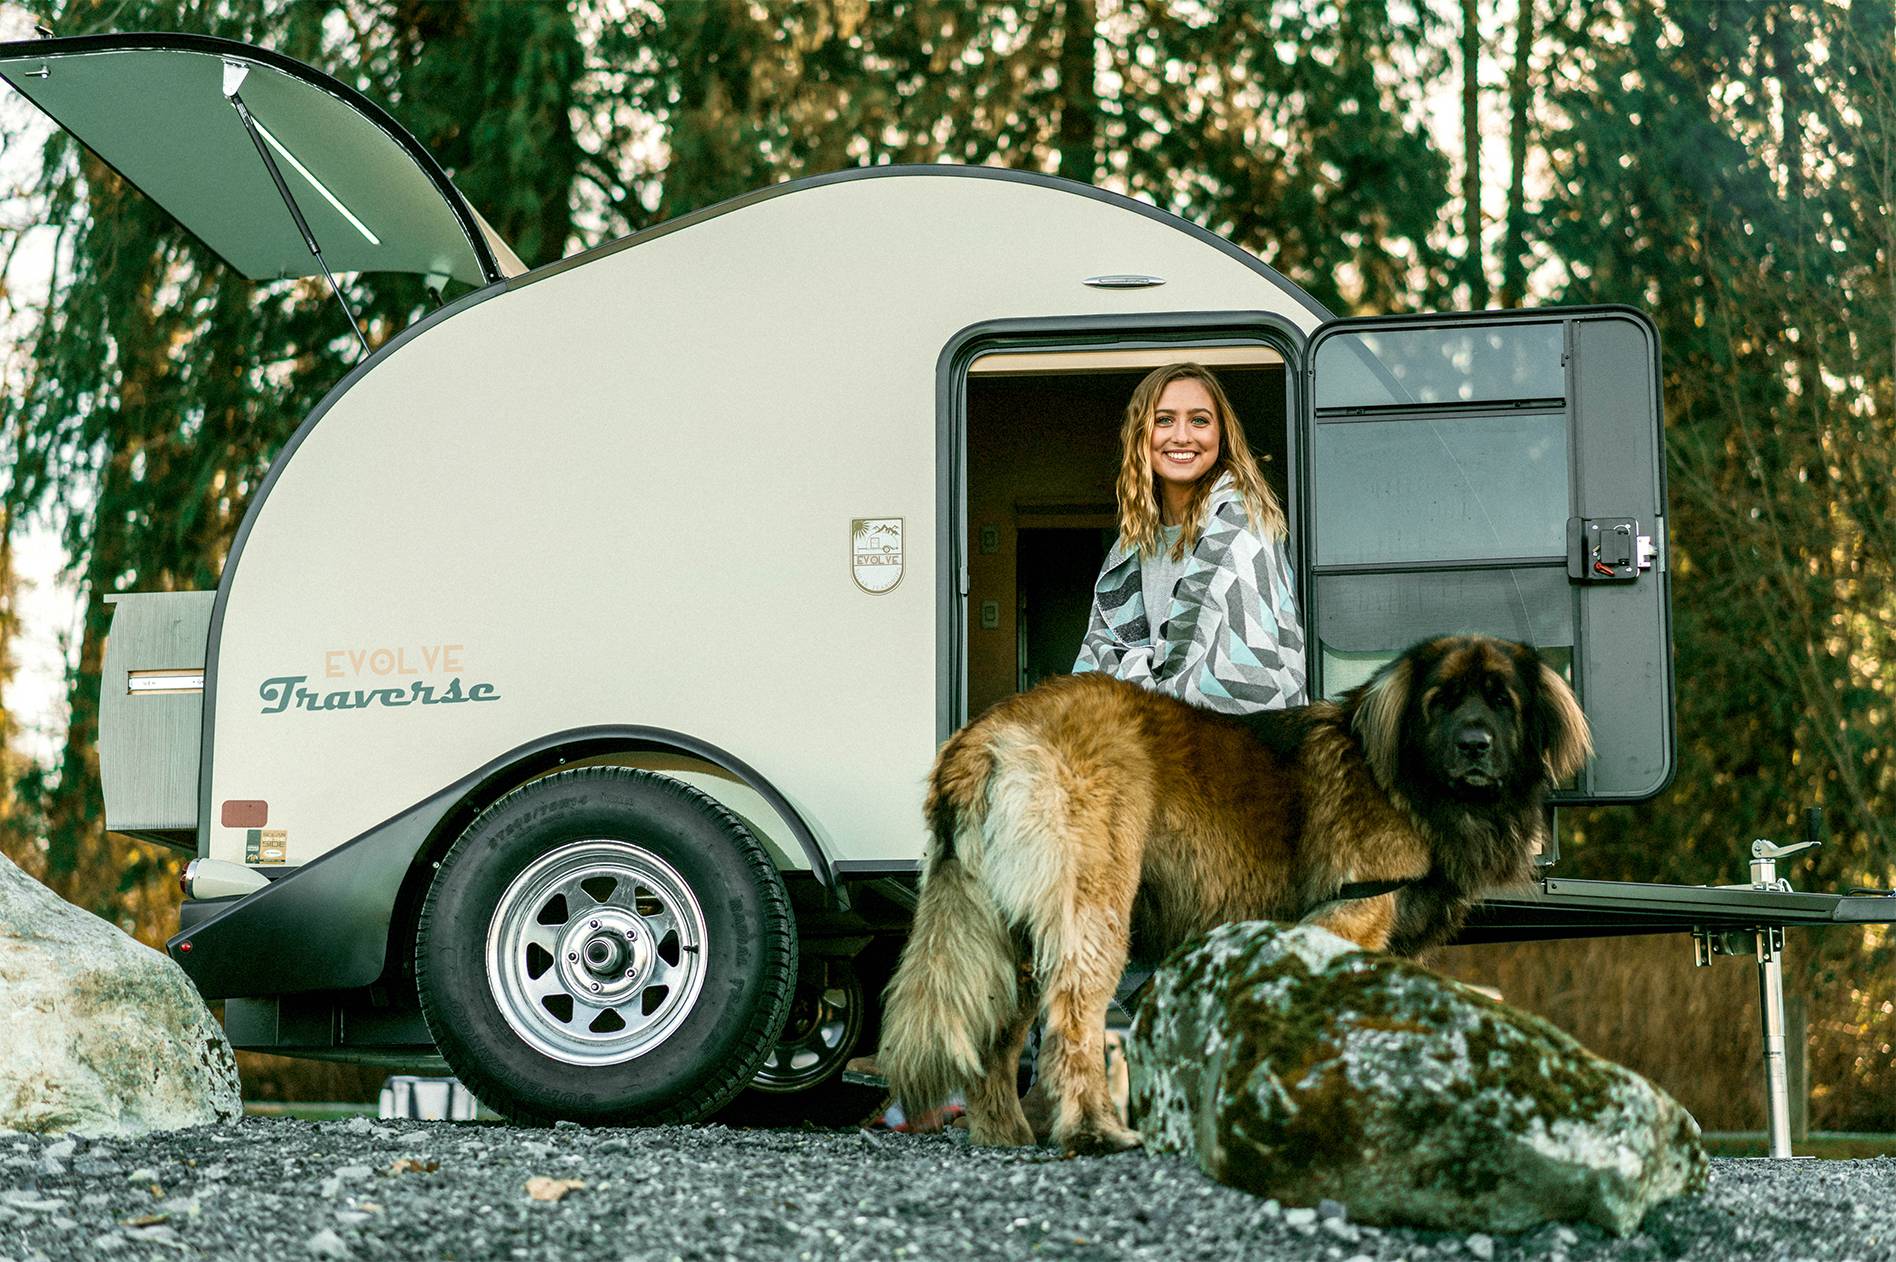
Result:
pixel 605 945
pixel 835 1015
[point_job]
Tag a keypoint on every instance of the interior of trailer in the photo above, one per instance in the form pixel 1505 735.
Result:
pixel 1042 455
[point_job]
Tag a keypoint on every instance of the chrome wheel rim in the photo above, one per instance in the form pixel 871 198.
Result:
pixel 595 953
pixel 825 1020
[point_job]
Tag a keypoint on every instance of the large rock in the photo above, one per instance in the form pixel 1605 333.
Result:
pixel 98 1034
pixel 1291 1064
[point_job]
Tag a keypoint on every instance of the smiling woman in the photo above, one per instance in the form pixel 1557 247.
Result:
pixel 1196 599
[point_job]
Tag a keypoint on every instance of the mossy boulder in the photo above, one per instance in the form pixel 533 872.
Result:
pixel 103 1036
pixel 1292 1064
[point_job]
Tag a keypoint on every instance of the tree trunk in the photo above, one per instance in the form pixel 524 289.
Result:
pixel 1078 140
pixel 1781 64
pixel 1520 96
pixel 1471 154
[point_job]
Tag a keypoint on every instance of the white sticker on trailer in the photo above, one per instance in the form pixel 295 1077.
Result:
pixel 875 548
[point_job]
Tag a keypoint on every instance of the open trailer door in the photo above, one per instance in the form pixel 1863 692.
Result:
pixel 1500 473
pixel 162 110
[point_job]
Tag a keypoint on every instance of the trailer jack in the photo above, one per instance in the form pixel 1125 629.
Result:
pixel 1766 942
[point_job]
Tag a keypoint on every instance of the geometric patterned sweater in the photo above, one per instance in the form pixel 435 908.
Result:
pixel 1231 641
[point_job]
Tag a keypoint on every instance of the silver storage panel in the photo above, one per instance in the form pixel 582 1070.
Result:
pixel 151 709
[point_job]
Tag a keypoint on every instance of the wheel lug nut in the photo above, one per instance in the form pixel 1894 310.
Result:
pixel 631 935
pixel 592 924
pixel 595 985
pixel 628 972
pixel 572 955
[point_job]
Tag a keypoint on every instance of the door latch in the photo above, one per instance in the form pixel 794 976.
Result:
pixel 1607 549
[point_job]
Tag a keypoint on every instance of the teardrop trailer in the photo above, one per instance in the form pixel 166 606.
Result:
pixel 563 707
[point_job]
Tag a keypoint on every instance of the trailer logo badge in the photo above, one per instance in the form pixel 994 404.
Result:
pixel 875 547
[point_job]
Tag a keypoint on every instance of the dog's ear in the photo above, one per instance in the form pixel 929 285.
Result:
pixel 1565 740
pixel 1376 718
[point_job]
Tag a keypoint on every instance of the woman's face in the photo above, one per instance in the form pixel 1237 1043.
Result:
pixel 1185 433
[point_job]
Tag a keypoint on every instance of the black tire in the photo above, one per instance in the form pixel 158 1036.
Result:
pixel 827 1100
pixel 663 845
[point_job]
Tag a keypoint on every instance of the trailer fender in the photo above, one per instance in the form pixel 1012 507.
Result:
pixel 328 925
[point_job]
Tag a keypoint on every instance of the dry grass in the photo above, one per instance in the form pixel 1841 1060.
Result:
pixel 1695 1031
pixel 284 1078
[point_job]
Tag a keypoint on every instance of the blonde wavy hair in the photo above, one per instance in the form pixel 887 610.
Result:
pixel 1138 485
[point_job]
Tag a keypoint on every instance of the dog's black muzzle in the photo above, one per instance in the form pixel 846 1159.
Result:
pixel 1474 757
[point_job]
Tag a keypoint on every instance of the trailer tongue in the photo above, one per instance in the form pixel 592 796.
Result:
pixel 1724 920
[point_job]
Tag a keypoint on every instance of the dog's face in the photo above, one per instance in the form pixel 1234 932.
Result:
pixel 1472 718
pixel 1469 732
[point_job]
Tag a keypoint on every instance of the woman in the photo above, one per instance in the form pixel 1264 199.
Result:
pixel 1196 598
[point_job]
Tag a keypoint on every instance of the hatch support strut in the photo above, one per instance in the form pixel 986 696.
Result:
pixel 234 74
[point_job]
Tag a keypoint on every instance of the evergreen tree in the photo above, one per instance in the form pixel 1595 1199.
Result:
pixel 1297 131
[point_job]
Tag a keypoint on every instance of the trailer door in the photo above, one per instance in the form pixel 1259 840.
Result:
pixel 1500 473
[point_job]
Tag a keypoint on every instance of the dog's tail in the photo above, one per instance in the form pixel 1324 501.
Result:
pixel 957 984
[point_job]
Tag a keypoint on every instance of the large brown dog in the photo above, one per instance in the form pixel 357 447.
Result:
pixel 1090 819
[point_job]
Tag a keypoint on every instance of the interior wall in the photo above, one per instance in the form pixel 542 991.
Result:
pixel 1043 451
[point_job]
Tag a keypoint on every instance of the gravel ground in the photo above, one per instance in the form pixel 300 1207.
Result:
pixel 272 1188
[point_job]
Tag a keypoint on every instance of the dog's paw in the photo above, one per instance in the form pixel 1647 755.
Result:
pixel 1100 1141
pixel 1002 1133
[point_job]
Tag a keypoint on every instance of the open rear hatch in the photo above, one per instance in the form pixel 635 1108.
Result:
pixel 161 110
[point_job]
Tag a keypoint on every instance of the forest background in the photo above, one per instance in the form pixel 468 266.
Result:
pixel 1727 167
